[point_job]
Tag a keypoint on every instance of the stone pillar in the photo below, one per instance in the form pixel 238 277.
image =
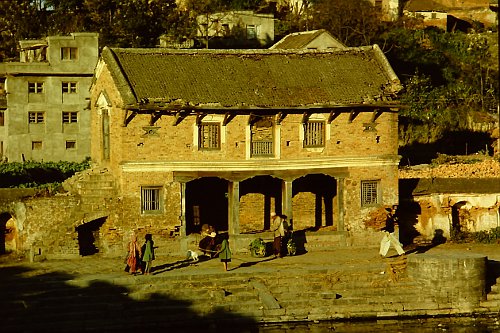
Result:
pixel 452 280
pixel 182 217
pixel 286 200
pixel 340 204
pixel 233 207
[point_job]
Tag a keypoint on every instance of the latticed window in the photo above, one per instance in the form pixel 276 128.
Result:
pixel 69 53
pixel 314 134
pixel 35 87
pixel 209 136
pixel 150 199
pixel 369 192
pixel 70 117
pixel 36 117
pixel 69 87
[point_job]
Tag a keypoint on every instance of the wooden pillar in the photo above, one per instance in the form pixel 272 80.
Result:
pixel 340 204
pixel 286 200
pixel 233 207
pixel 182 217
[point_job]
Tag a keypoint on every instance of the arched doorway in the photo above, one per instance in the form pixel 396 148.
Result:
pixel 313 201
pixel 89 241
pixel 206 203
pixel 461 220
pixel 8 233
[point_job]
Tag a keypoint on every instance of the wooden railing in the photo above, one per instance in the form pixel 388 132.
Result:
pixel 262 148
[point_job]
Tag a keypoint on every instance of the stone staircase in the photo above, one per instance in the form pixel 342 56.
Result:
pixel 492 301
pixel 58 301
pixel 96 189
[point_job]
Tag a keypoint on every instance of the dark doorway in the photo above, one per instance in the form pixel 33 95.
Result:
pixel 4 231
pixel 88 237
pixel 206 203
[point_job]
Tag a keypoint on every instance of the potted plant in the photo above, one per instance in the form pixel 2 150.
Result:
pixel 258 248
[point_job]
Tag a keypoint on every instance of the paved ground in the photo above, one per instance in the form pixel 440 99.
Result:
pixel 342 259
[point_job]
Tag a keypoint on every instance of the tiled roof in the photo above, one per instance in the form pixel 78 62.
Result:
pixel 300 40
pixel 258 78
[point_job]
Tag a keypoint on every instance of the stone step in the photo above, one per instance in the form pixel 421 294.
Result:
pixel 493 296
pixel 491 304
pixel 101 192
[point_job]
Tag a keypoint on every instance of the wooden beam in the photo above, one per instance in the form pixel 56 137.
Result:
pixel 279 117
pixel 228 116
pixel 154 118
pixel 376 113
pixel 305 117
pixel 179 116
pixel 199 117
pixel 333 115
pixel 129 115
pixel 251 117
pixel 352 115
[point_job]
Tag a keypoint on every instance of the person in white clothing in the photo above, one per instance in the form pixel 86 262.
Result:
pixel 388 231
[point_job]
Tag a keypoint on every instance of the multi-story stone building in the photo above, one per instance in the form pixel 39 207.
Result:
pixel 224 137
pixel 45 111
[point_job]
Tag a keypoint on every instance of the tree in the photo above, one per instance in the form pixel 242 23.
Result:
pixel 19 19
pixel 354 22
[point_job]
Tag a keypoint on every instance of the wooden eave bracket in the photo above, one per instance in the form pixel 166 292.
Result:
pixel 199 117
pixel 154 118
pixel 376 113
pixel 179 116
pixel 333 115
pixel 251 117
pixel 129 115
pixel 279 117
pixel 352 115
pixel 228 116
pixel 305 117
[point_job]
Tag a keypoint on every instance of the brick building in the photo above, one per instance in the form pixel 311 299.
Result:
pixel 44 111
pixel 224 137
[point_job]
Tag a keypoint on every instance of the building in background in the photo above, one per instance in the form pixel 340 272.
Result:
pixel 44 99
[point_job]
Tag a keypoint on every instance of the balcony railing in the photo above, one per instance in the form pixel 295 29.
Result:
pixel 262 149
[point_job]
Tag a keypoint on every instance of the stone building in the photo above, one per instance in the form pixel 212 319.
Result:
pixel 225 137
pixel 44 109
pixel 251 29
pixel 452 14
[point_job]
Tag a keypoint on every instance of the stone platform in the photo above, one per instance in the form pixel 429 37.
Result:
pixel 95 294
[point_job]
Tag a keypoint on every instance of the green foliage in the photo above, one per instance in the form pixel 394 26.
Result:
pixel 447 77
pixel 31 174
pixel 485 236
pixel 258 248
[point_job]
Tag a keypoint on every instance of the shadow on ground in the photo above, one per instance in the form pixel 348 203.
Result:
pixel 49 302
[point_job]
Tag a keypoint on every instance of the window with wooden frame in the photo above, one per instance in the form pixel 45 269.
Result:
pixel 314 134
pixel 209 136
pixel 150 199
pixel 69 117
pixel 69 87
pixel 369 192
pixel 69 53
pixel 70 144
pixel 36 117
pixel 35 87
